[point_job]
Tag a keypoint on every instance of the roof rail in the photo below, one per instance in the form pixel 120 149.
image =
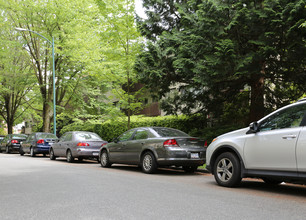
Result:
pixel 301 100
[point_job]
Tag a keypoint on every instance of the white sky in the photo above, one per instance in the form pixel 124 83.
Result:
pixel 139 9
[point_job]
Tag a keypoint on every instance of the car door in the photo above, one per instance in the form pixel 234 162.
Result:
pixel 118 149
pixel 27 143
pixel 301 150
pixel 57 147
pixel 65 144
pixel 134 146
pixel 4 142
pixel 273 147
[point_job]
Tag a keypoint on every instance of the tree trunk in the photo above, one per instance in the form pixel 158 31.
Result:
pixel 46 117
pixel 9 126
pixel 257 109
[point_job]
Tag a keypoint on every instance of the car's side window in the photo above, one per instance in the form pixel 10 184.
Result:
pixel 140 135
pixel 32 137
pixel 68 137
pixel 63 137
pixel 288 118
pixel 126 136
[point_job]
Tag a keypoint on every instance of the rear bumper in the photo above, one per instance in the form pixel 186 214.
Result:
pixel 40 149
pixel 87 153
pixel 180 162
pixel 14 147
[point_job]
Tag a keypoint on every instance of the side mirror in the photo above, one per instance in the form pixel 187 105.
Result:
pixel 115 140
pixel 254 128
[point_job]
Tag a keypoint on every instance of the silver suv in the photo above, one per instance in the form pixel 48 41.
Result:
pixel 274 149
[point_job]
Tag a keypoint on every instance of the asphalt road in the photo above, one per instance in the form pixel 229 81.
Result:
pixel 38 188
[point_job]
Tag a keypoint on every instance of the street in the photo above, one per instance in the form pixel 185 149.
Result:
pixel 38 188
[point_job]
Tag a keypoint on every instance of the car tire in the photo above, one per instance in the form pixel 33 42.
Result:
pixel 7 150
pixel 271 181
pixel 148 163
pixel 32 153
pixel 21 152
pixel 190 169
pixel 105 159
pixel 69 156
pixel 51 155
pixel 227 170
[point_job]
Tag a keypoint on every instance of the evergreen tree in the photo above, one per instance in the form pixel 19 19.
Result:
pixel 216 51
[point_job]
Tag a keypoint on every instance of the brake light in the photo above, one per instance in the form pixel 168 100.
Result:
pixel 205 144
pixel 103 144
pixel 171 143
pixel 81 144
pixel 40 141
pixel 14 141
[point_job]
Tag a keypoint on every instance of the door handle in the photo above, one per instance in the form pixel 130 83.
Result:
pixel 289 136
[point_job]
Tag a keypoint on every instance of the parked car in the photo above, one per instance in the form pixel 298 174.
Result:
pixel 1 137
pixel 11 142
pixel 77 144
pixel 153 147
pixel 274 149
pixel 37 143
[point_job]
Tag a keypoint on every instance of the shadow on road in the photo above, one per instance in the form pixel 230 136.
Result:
pixel 161 171
pixel 257 186
pixel 284 188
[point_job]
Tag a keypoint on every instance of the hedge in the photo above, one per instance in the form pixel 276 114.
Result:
pixel 195 125
pixel 113 128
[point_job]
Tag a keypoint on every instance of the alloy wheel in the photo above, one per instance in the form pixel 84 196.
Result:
pixel 225 170
pixel 147 162
pixel 104 159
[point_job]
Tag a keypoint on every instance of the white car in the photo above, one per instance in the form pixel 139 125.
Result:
pixel 274 149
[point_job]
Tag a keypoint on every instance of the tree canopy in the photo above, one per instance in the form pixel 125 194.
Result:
pixel 216 53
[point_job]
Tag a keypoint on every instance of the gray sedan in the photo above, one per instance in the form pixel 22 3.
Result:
pixel 153 147
pixel 77 144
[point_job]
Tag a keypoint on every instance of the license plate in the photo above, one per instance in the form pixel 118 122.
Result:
pixel 95 154
pixel 194 156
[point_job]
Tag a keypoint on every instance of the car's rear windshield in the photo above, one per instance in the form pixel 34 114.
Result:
pixel 19 136
pixel 88 137
pixel 167 132
pixel 46 136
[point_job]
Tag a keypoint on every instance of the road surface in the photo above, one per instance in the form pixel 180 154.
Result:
pixel 38 188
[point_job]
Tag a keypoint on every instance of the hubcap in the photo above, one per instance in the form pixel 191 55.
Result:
pixel 225 170
pixel 104 159
pixel 69 156
pixel 147 162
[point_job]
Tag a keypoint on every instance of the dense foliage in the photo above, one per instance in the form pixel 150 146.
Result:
pixel 206 55
pixel 109 129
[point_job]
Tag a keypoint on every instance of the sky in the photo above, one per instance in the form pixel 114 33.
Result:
pixel 139 9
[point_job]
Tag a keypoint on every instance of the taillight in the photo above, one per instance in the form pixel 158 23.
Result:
pixel 81 144
pixel 171 143
pixel 103 144
pixel 14 141
pixel 40 141
pixel 205 144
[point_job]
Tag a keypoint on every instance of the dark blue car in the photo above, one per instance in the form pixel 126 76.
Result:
pixel 38 143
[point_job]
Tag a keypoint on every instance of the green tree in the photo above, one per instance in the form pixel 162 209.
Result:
pixel 121 41
pixel 16 79
pixel 217 49
pixel 73 25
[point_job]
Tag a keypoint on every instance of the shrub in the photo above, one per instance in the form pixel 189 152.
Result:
pixel 195 125
pixel 113 128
